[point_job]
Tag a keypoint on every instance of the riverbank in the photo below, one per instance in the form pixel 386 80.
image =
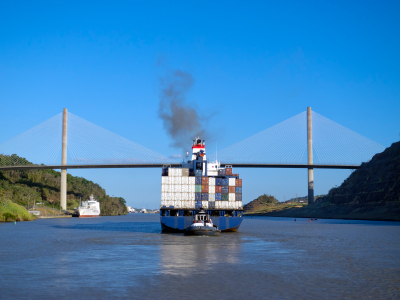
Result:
pixel 377 211
pixel 10 212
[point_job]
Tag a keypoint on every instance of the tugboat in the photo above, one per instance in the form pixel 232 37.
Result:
pixel 202 225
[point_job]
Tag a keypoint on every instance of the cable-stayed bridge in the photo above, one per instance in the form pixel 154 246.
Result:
pixel 307 140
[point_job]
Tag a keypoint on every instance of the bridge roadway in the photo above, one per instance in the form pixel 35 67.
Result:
pixel 121 166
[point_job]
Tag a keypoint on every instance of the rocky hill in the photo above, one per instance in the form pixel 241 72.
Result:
pixel 26 186
pixel 259 204
pixel 371 192
pixel 377 181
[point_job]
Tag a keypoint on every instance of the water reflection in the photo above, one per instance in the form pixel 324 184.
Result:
pixel 198 255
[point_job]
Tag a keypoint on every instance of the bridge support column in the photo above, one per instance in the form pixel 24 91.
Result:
pixel 310 158
pixel 63 188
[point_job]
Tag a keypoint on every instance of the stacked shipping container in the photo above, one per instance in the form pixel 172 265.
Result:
pixel 179 190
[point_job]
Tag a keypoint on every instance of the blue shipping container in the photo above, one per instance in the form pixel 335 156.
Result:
pixel 197 180
pixel 197 196
pixel 225 189
pixel 218 197
pixel 198 173
pixel 204 196
pixel 197 204
pixel 225 181
pixel 238 197
pixel 218 181
pixel 238 190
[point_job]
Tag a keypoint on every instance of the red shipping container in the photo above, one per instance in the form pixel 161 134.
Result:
pixel 239 182
pixel 204 188
pixel 228 171
pixel 218 189
pixel 204 180
pixel 232 189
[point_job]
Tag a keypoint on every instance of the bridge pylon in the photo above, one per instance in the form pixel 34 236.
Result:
pixel 63 188
pixel 310 158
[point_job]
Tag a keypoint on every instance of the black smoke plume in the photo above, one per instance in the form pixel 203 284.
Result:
pixel 181 121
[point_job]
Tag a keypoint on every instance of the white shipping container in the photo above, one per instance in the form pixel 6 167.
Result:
pixel 185 196
pixel 164 179
pixel 178 196
pixel 231 196
pixel 185 188
pixel 177 204
pixel 163 188
pixel 176 180
pixel 225 204
pixel 211 189
pixel 232 182
pixel 178 172
pixel 218 204
pixel 162 196
pixel 204 204
pixel 192 196
pixel 192 180
pixel 191 188
pixel 231 205
pixel 170 170
pixel 184 180
pixel 211 197
pixel 211 181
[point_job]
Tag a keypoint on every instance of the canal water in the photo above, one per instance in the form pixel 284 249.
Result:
pixel 269 258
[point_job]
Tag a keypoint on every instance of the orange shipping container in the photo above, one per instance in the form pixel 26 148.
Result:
pixel 204 180
pixel 239 182
pixel 232 189
pixel 228 171
pixel 218 189
pixel 204 188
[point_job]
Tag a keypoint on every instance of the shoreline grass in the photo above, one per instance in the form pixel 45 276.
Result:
pixel 10 212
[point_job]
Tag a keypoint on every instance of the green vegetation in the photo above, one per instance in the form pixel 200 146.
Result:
pixel 26 187
pixel 10 212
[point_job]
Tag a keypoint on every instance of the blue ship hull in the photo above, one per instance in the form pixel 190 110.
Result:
pixel 180 223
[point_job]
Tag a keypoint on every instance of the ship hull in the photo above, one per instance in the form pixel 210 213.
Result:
pixel 88 216
pixel 181 223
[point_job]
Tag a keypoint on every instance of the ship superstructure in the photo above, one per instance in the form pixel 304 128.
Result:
pixel 199 184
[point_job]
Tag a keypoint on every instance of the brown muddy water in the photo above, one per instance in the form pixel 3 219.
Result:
pixel 269 258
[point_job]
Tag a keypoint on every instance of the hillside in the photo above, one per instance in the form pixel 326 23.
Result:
pixel 371 192
pixel 26 186
pixel 260 204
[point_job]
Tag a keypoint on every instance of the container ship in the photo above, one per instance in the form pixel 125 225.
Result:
pixel 199 184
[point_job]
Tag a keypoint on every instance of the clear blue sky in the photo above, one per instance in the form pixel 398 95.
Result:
pixel 254 63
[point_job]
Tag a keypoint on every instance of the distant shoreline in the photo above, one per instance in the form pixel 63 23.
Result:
pixel 373 212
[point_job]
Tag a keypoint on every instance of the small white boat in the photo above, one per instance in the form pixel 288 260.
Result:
pixel 202 225
pixel 90 208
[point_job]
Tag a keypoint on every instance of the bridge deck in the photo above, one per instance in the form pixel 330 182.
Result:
pixel 119 166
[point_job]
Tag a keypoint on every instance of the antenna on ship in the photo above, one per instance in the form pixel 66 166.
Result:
pixel 216 152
